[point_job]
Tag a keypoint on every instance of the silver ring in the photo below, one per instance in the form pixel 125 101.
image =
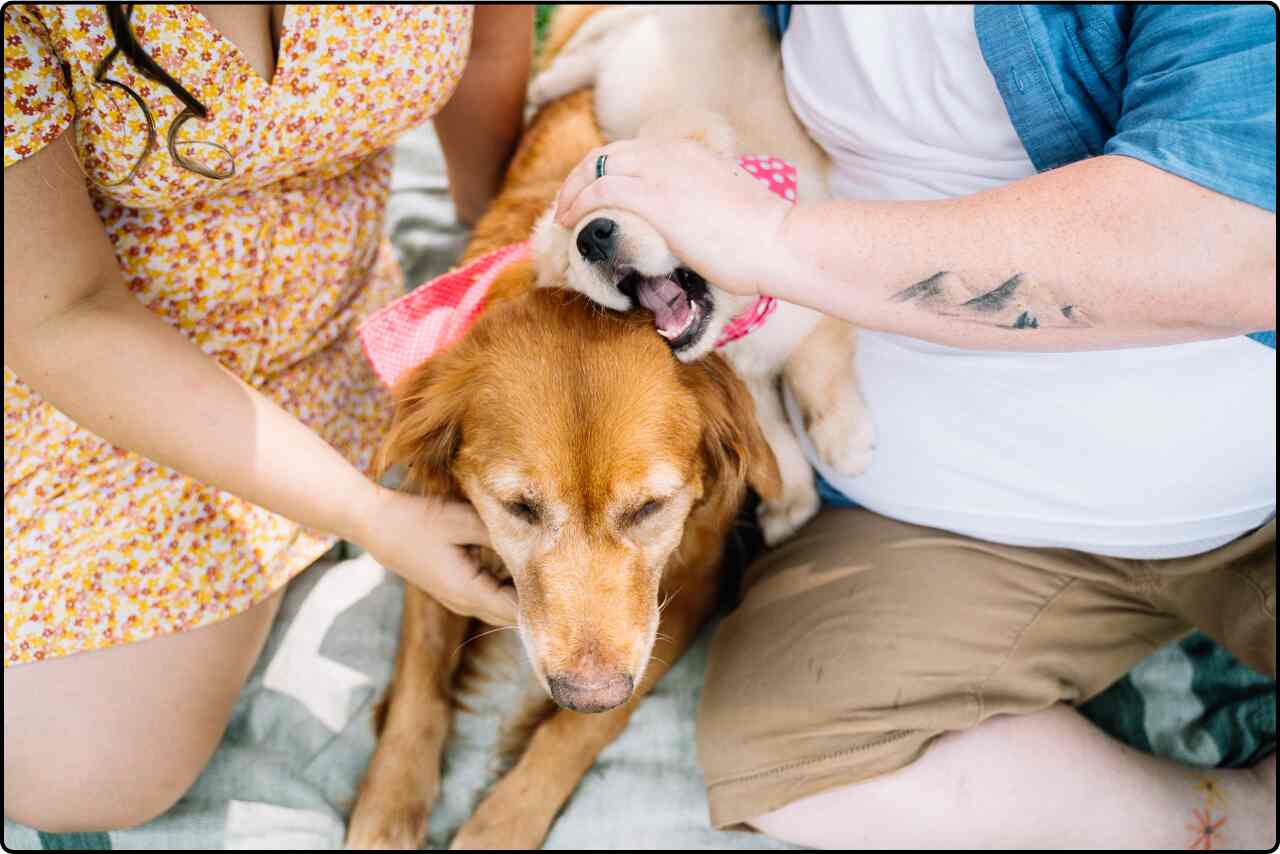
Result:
pixel 600 165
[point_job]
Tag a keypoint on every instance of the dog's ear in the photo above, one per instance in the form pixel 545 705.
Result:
pixel 733 443
pixel 426 430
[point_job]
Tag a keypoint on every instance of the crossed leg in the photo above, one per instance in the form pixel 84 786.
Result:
pixel 1050 779
pixel 886 685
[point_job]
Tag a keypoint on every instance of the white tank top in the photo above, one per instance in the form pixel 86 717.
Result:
pixel 1145 453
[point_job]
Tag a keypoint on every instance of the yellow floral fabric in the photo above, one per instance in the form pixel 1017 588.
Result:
pixel 269 272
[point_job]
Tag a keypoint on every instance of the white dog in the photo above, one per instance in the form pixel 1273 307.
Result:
pixel 712 74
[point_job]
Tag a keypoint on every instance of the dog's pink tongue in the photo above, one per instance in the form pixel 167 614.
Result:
pixel 668 302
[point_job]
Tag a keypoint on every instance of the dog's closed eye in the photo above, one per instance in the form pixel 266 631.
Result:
pixel 644 511
pixel 524 510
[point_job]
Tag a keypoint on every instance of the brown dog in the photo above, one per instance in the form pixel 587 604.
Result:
pixel 609 475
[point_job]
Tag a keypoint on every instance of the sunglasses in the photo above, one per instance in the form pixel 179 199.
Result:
pixel 218 168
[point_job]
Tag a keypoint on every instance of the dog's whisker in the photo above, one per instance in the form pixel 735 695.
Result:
pixel 659 660
pixel 667 600
pixel 482 634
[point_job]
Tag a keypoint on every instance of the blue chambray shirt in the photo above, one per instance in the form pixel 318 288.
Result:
pixel 1190 89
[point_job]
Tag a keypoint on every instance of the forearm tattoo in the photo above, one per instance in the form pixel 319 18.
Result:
pixel 1018 303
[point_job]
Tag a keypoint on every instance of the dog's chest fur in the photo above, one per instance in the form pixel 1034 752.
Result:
pixel 765 350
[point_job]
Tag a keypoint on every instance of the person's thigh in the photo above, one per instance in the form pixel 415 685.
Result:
pixel 110 739
pixel 862 639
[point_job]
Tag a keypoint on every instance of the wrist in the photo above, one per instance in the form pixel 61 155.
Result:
pixel 792 277
pixel 371 503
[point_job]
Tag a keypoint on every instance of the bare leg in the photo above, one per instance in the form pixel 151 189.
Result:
pixel 1044 780
pixel 111 739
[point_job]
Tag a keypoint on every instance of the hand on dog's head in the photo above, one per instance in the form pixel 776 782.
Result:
pixel 619 261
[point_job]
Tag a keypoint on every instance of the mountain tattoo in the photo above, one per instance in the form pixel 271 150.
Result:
pixel 1018 303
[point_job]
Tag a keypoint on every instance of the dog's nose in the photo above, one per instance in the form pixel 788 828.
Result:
pixel 594 692
pixel 596 241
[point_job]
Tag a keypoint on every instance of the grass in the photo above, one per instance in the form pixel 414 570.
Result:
pixel 541 18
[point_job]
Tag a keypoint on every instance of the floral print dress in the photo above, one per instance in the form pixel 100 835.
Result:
pixel 270 272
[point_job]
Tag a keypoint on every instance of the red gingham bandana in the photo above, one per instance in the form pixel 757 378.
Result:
pixel 405 333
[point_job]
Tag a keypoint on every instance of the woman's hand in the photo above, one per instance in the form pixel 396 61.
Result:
pixel 421 540
pixel 714 216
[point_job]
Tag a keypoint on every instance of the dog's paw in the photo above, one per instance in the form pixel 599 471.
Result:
pixel 517 813
pixel 488 829
pixel 844 441
pixel 781 518
pixel 546 87
pixel 396 828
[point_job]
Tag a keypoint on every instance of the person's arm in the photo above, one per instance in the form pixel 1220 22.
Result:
pixel 1136 255
pixel 74 333
pixel 1168 235
pixel 479 126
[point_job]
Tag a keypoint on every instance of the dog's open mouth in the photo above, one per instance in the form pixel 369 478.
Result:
pixel 680 302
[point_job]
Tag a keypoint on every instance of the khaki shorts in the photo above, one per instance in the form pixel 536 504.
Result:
pixel 862 639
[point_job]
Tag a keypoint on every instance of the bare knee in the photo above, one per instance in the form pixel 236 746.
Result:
pixel 111 739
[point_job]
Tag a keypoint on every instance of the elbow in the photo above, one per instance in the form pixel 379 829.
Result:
pixel 1236 276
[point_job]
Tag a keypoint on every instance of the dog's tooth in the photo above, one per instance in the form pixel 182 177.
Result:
pixel 688 321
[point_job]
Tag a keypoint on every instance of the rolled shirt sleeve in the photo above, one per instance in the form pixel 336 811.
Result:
pixel 1199 99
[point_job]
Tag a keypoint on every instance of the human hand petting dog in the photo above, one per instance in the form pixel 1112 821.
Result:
pixel 714 216
pixel 421 540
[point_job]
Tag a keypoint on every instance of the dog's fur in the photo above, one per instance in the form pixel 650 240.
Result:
pixel 609 475
pixel 711 74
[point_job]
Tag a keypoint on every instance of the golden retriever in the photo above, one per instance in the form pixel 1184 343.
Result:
pixel 609 474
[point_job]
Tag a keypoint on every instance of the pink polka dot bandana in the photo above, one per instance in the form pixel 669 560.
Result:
pixel 780 177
